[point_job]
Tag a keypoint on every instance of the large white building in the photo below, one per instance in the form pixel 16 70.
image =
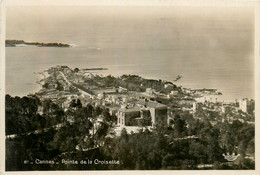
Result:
pixel 132 115
pixel 245 105
pixel 209 98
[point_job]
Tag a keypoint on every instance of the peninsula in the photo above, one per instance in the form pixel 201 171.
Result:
pixel 14 43
pixel 81 120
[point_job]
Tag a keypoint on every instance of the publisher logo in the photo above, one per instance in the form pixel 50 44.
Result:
pixel 230 157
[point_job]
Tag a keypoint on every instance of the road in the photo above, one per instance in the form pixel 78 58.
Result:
pixel 12 136
pixel 80 90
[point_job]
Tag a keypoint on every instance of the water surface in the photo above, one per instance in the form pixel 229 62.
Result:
pixel 209 51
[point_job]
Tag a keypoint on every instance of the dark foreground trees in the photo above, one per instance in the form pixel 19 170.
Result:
pixel 160 149
pixel 189 144
pixel 28 114
pixel 43 131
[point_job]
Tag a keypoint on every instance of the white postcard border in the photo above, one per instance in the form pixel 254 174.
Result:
pixel 130 3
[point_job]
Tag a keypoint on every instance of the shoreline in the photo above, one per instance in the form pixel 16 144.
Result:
pixel 103 72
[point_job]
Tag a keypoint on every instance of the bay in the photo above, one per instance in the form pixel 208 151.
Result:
pixel 207 50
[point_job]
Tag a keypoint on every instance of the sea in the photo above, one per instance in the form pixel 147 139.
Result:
pixel 207 50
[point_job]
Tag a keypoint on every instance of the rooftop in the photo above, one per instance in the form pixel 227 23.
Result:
pixel 151 104
pixel 105 90
pixel 132 109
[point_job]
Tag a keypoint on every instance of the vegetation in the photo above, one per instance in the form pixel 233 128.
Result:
pixel 22 114
pixel 42 130
pixel 53 134
pixel 158 150
pixel 135 83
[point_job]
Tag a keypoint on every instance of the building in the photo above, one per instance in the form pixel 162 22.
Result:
pixel 122 90
pixel 127 116
pixel 208 98
pixel 144 112
pixel 149 92
pixel 246 105
pixel 157 110
pixel 225 108
pixel 196 106
pixel 174 92
pixel 88 75
pixel 113 110
pixel 100 93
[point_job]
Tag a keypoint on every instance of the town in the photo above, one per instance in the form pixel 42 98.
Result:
pixel 79 114
pixel 140 103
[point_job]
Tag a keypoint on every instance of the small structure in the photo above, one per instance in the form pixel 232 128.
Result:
pixel 174 92
pixel 196 106
pixel 102 92
pixel 122 90
pixel 225 108
pixel 149 91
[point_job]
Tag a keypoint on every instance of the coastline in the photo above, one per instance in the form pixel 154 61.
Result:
pixel 37 84
pixel 104 72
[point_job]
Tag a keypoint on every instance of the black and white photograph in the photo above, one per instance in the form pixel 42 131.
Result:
pixel 129 87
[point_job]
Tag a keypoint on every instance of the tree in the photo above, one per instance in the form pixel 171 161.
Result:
pixel 76 70
pixel 75 104
pixel 179 126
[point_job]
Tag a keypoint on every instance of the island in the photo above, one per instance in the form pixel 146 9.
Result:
pixel 14 43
